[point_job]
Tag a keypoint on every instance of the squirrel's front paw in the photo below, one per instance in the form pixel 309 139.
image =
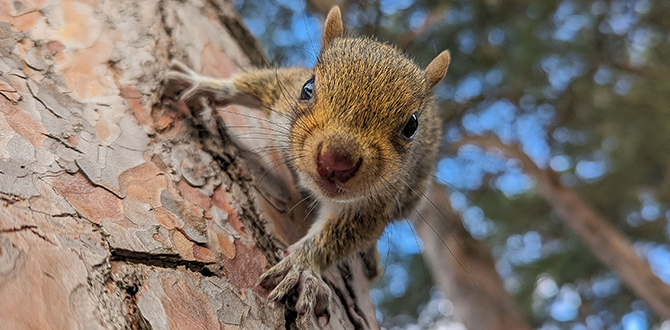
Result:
pixel 179 72
pixel 295 272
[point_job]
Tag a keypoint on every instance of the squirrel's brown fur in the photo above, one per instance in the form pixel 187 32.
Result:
pixel 364 94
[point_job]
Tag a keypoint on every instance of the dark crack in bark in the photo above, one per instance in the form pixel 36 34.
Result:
pixel 30 228
pixel 10 198
pixel 61 141
pixel 165 260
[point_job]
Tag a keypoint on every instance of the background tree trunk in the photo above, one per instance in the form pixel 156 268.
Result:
pixel 122 210
pixel 463 268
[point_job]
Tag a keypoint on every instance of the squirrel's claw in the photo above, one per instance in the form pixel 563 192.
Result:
pixel 220 89
pixel 188 77
pixel 187 94
pixel 270 279
pixel 180 66
pixel 307 295
pixel 322 301
pixel 293 273
pixel 314 295
pixel 286 284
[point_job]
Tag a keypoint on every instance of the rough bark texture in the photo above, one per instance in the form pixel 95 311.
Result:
pixel 123 210
pixel 464 269
pixel 607 244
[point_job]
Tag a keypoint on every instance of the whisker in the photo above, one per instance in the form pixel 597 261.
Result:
pixel 310 208
pixel 388 255
pixel 283 162
pixel 416 239
pixel 444 216
pixel 271 129
pixel 398 193
pixel 304 20
pixel 445 245
pixel 300 202
pixel 265 120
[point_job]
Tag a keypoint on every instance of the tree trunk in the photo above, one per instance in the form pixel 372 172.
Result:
pixel 607 244
pixel 124 210
pixel 463 269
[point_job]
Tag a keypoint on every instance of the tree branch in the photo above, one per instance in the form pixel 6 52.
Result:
pixel 607 244
pixel 464 269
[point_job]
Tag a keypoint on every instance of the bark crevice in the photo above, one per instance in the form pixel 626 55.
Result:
pixel 164 260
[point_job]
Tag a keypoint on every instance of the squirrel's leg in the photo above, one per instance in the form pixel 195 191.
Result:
pixel 331 238
pixel 370 257
pixel 271 89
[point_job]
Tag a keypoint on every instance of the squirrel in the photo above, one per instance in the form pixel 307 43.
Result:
pixel 363 135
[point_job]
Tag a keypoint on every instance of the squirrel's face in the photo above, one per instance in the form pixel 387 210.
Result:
pixel 358 120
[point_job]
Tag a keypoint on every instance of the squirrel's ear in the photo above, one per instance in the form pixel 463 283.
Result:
pixel 333 27
pixel 437 69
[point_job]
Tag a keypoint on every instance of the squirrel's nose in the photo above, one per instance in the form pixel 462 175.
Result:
pixel 335 165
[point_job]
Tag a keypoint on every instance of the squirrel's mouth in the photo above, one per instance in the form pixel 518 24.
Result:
pixel 330 187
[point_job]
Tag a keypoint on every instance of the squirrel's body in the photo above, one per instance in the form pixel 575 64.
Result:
pixel 364 135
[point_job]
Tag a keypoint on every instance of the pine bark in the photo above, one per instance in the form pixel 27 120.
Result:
pixel 122 208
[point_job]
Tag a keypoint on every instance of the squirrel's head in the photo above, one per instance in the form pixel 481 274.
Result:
pixel 360 119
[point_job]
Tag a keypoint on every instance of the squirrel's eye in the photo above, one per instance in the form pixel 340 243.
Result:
pixel 307 90
pixel 410 128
